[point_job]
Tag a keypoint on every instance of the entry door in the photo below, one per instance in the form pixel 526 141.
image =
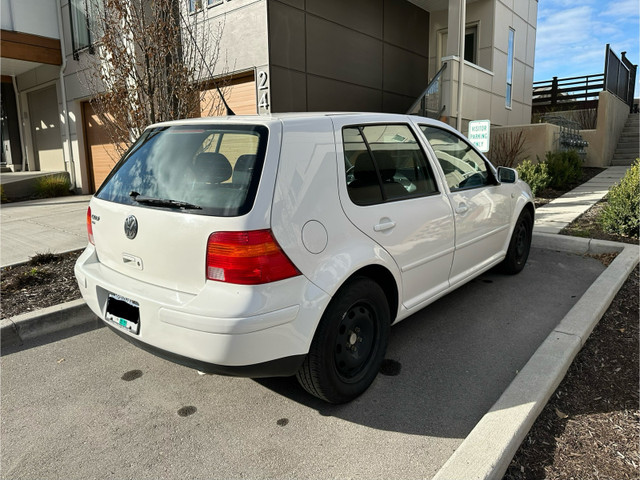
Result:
pixel 45 130
pixel 102 154
pixel 390 194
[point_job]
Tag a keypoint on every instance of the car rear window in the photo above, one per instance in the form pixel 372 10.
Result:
pixel 211 169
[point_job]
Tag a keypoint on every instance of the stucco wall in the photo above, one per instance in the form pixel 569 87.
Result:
pixel 540 138
pixel 36 17
pixel 543 137
pixel 485 84
pixel 612 115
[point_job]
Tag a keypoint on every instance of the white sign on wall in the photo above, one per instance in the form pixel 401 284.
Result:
pixel 479 134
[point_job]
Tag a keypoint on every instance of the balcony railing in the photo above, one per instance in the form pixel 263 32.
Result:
pixel 429 103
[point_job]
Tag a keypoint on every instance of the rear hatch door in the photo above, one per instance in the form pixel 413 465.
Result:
pixel 178 184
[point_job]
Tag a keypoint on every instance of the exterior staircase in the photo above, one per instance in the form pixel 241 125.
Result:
pixel 628 148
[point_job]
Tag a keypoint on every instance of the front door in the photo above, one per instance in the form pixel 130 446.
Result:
pixel 482 207
pixel 45 130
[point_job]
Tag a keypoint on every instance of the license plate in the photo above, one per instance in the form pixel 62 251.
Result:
pixel 125 313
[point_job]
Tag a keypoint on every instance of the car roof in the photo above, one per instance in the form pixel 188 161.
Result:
pixel 296 116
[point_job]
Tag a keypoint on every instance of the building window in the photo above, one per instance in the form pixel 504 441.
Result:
pixel 212 3
pixel 195 5
pixel 80 26
pixel 471 44
pixel 512 34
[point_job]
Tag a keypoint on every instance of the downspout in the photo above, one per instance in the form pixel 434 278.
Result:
pixel 65 108
pixel 463 27
pixel 23 146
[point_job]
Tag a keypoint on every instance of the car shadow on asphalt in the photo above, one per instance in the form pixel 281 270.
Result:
pixel 449 363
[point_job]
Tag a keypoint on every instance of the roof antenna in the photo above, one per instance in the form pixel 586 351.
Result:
pixel 229 111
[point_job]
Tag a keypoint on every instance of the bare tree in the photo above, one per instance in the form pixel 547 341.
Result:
pixel 507 148
pixel 152 63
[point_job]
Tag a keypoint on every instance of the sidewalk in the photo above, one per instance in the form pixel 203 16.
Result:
pixel 557 214
pixel 53 225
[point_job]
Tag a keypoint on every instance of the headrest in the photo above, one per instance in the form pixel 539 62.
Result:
pixel 386 165
pixel 211 167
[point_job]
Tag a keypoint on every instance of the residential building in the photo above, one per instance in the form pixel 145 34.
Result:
pixel 287 55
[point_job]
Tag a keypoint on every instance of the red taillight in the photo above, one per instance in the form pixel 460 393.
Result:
pixel 247 258
pixel 90 227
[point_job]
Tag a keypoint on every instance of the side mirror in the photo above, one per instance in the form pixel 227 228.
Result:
pixel 507 175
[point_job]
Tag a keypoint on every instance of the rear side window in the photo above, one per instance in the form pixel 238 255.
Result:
pixel 385 163
pixel 212 170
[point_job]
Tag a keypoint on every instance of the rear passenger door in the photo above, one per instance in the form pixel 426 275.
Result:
pixel 389 192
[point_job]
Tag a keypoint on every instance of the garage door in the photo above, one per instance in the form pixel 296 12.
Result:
pixel 240 94
pixel 101 152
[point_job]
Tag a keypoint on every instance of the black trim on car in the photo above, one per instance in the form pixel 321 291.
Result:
pixel 280 367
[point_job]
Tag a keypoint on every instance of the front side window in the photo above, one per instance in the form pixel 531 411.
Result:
pixel 212 169
pixel 463 167
pixel 385 163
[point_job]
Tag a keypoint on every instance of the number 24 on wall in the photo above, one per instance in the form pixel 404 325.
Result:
pixel 263 90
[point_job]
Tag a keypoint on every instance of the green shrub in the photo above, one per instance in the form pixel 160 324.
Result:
pixel 564 168
pixel 53 186
pixel 535 174
pixel 621 214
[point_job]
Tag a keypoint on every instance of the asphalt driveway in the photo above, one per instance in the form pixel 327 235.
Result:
pixel 92 406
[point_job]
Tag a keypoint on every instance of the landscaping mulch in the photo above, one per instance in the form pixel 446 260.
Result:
pixel 45 281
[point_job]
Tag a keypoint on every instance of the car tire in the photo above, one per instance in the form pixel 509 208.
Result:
pixel 520 244
pixel 349 344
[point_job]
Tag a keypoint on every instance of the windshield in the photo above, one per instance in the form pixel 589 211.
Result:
pixel 211 169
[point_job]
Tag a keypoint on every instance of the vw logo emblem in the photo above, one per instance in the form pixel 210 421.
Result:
pixel 131 227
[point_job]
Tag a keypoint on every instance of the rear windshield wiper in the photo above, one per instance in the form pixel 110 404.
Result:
pixel 163 202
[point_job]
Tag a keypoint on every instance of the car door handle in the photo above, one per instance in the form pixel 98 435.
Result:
pixel 381 227
pixel 462 208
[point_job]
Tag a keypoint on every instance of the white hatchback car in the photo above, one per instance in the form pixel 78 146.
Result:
pixel 288 244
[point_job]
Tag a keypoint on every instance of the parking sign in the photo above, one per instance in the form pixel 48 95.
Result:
pixel 479 134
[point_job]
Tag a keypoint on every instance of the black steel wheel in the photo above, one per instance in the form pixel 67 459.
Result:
pixel 520 244
pixel 349 344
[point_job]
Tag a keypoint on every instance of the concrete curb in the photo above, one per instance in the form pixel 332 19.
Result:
pixel 487 451
pixel 14 330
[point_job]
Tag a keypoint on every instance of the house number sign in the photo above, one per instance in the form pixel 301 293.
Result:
pixel 263 91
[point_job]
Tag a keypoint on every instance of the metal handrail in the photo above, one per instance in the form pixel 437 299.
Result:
pixel 419 107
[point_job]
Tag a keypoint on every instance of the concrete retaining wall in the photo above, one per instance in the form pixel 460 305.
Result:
pixel 541 138
pixel 612 115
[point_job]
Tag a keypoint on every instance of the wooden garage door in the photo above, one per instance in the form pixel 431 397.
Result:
pixel 102 155
pixel 240 94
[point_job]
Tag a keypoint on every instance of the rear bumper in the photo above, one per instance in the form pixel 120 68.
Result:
pixel 281 367
pixel 251 331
